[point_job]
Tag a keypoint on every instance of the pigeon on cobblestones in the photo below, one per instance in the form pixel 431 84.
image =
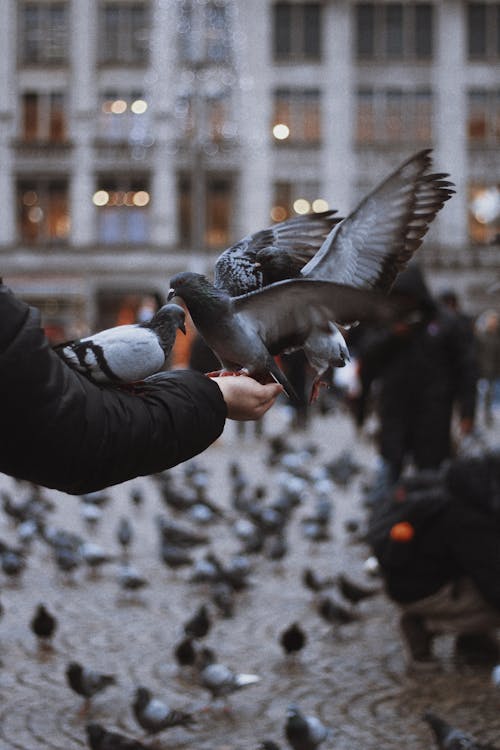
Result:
pixel 99 738
pixel 154 716
pixel 304 732
pixel 199 624
pixel 130 579
pixel 124 534
pixel 450 738
pixel 185 652
pixel 335 612
pixel 43 624
pixel 315 583
pixel 221 681
pixel 293 639
pixel 352 591
pixel 87 682
pixel 127 353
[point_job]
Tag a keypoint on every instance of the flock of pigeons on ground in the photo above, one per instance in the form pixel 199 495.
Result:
pixel 260 527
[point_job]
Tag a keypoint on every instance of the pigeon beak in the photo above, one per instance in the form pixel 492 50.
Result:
pixel 171 294
pixel 182 328
pixel 257 265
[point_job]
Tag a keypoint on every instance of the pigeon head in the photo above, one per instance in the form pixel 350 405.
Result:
pixel 169 317
pixel 202 298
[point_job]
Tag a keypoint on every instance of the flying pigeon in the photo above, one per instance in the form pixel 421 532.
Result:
pixel 367 250
pixel 128 353
pixel 304 732
pixel 99 738
pixel 246 332
pixel 154 716
pixel 87 682
pixel 450 738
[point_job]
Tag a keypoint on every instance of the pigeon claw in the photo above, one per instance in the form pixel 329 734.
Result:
pixel 317 383
pixel 226 373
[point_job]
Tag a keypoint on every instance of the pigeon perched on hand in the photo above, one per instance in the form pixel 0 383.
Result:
pixel 246 332
pixel 304 732
pixel 87 682
pixel 154 716
pixel 450 738
pixel 128 353
pixel 99 738
pixel 365 250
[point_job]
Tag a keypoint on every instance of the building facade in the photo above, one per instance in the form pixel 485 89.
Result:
pixel 141 138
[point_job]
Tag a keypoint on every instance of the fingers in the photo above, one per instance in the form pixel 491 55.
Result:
pixel 245 398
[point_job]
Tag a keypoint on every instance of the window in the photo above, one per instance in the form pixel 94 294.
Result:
pixel 483 30
pixel 297 117
pixel 125 33
pixel 44 117
pixel 394 31
pixel 43 29
pixel 484 117
pixel 294 198
pixel 43 212
pixel 392 115
pixel 484 214
pixel 123 117
pixel 122 210
pixel 204 32
pixel 214 112
pixel 297 31
pixel 217 213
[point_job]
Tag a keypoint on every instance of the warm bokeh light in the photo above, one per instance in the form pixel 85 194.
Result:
pixel 30 198
pixel 301 206
pixel 319 205
pixel 141 198
pixel 118 107
pixel 100 198
pixel 35 214
pixel 485 205
pixel 281 131
pixel 139 106
pixel 278 213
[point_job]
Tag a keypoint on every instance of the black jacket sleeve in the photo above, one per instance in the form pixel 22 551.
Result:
pixel 60 430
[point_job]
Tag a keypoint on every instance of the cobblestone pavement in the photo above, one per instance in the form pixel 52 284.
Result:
pixel 353 678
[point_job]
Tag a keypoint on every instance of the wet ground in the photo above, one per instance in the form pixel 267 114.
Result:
pixel 353 677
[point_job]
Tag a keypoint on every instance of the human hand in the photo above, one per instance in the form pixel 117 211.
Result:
pixel 466 426
pixel 245 398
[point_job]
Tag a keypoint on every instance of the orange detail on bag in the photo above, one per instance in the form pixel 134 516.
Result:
pixel 402 532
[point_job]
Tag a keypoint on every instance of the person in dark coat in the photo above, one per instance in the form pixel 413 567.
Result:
pixel 60 430
pixel 445 573
pixel 488 336
pixel 424 367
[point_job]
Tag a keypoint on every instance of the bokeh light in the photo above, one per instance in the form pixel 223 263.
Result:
pixel 301 206
pixel 281 131
pixel 319 205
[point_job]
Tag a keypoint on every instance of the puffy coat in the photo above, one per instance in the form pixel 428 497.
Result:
pixel 60 430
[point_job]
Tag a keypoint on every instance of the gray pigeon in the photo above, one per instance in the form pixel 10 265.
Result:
pixel 304 732
pixel 246 332
pixel 221 681
pixel 87 682
pixel 128 353
pixel 450 738
pixel 99 738
pixel 367 250
pixel 154 716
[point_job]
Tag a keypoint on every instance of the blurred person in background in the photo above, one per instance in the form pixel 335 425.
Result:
pixel 421 369
pixel 488 337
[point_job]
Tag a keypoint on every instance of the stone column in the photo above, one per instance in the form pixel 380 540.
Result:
pixel 337 103
pixel 450 118
pixel 83 107
pixel 8 36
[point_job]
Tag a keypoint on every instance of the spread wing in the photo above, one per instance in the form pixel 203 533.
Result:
pixel 300 236
pixel 376 241
pixel 285 313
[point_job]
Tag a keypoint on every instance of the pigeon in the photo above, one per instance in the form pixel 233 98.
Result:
pixel 199 624
pixel 367 250
pixel 335 612
pixel 43 624
pixel 246 332
pixel 13 563
pixel 174 557
pixel 221 681
pixel 99 738
pixel 124 534
pixel 352 591
pixel 304 732
pixel 154 716
pixel 130 579
pixel 94 555
pixel 87 682
pixel 185 652
pixel 242 267
pixel 128 353
pixel 268 745
pixel 312 581
pixel 451 738
pixel 293 639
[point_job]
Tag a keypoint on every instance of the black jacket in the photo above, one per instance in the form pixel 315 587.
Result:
pixel 60 430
